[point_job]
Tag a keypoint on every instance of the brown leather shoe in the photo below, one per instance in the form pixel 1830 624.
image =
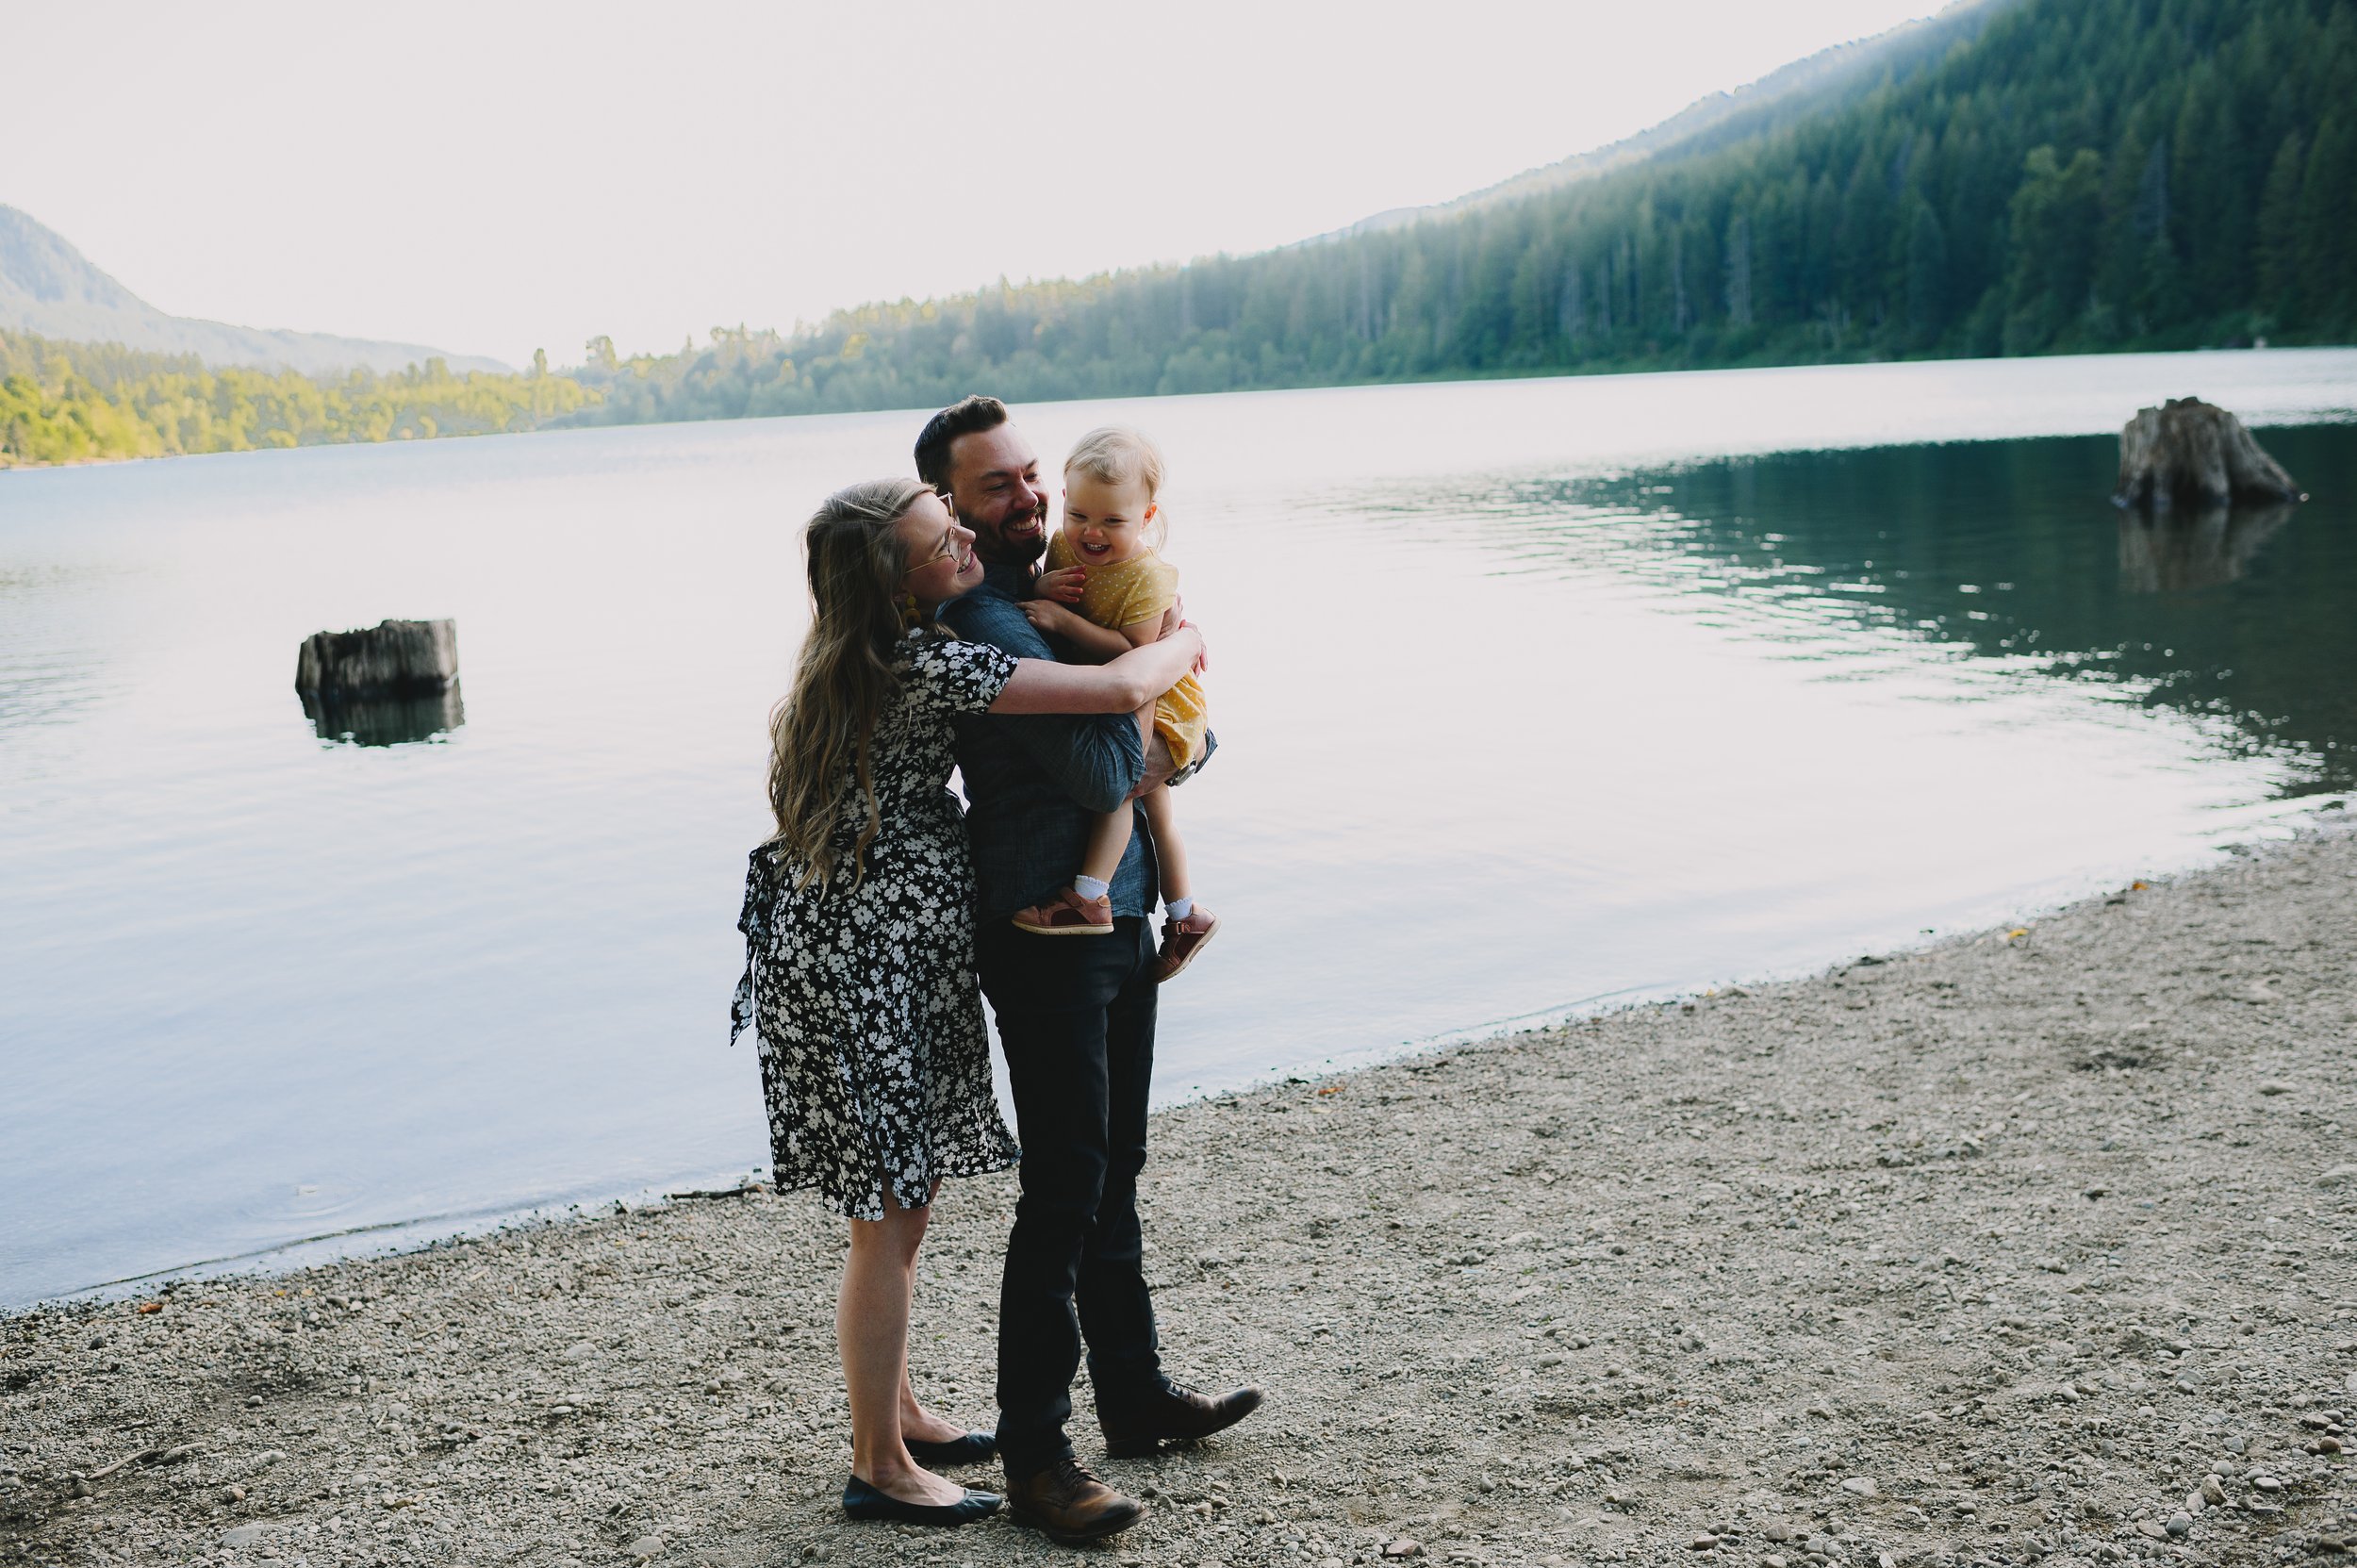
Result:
pixel 1179 1415
pixel 1182 940
pixel 1071 1505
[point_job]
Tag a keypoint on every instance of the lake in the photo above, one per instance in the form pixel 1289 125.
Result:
pixel 1534 697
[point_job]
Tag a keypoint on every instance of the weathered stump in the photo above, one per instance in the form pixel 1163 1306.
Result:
pixel 392 659
pixel 2188 453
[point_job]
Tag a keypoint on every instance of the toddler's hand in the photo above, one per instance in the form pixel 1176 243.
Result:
pixel 1063 584
pixel 1045 616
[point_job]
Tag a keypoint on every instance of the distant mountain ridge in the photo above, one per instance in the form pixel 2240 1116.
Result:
pixel 49 287
pixel 1812 86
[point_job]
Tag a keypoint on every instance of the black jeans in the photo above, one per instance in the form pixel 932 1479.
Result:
pixel 1076 1020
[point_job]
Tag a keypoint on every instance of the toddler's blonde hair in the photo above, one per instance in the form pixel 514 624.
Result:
pixel 1123 454
pixel 1117 455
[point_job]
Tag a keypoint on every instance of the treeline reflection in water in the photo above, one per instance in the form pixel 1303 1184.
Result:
pixel 2241 619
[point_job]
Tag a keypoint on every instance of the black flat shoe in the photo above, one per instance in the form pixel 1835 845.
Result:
pixel 862 1501
pixel 972 1448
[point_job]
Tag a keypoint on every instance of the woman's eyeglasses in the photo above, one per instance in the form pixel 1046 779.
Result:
pixel 948 548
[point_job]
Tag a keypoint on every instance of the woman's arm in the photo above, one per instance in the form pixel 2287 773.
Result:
pixel 1127 684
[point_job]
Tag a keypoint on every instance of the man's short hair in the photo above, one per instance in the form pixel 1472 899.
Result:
pixel 961 417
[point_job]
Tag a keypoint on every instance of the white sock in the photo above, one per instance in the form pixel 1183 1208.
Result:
pixel 1179 909
pixel 1089 887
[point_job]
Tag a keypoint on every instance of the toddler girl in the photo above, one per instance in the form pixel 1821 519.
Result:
pixel 1101 563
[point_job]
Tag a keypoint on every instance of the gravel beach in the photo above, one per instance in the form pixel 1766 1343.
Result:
pixel 2031 1246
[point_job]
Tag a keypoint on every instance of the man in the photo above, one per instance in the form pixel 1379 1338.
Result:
pixel 1076 1020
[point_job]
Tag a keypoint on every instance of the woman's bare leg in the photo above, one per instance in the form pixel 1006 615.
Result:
pixel 919 1425
pixel 871 1328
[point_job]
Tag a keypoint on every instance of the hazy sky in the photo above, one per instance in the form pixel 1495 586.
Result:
pixel 495 176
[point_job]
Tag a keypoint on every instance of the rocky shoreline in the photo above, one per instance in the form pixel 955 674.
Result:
pixel 2035 1246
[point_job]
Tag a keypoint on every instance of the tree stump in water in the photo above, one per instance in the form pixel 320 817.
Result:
pixel 394 658
pixel 2189 453
pixel 2177 552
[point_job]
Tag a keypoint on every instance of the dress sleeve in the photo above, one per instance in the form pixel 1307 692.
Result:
pixel 945 676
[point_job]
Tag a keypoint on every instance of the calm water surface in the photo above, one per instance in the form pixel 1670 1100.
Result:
pixel 1532 695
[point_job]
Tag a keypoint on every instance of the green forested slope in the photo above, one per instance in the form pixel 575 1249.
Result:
pixel 2064 175
pixel 66 402
pixel 2084 175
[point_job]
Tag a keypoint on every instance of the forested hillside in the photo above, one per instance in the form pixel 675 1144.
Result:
pixel 2026 176
pixel 2083 174
pixel 66 403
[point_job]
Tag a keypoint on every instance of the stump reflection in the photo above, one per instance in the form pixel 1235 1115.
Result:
pixel 2175 552
pixel 383 720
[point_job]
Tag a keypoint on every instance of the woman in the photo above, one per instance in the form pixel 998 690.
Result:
pixel 859 976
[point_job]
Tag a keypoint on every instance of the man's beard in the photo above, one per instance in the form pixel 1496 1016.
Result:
pixel 1006 552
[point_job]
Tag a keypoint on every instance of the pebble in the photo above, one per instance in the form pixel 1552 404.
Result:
pixel 645 1547
pixel 2146 1527
pixel 1861 1486
pixel 2179 1525
pixel 2213 1492
pixel 2266 1483
pixel 2237 1446
pixel 1703 1543
pixel 244 1535
pixel 233 1495
pixel 1403 1547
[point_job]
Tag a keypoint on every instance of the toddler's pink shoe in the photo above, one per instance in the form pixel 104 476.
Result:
pixel 1067 914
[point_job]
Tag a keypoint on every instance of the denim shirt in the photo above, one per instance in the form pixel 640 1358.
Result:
pixel 1033 782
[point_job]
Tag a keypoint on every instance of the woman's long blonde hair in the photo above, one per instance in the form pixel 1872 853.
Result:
pixel 825 727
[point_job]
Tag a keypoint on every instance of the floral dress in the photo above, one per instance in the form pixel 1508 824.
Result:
pixel 874 1061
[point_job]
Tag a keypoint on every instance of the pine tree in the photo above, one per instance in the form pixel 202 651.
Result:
pixel 1928 277
pixel 2326 240
pixel 2278 239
